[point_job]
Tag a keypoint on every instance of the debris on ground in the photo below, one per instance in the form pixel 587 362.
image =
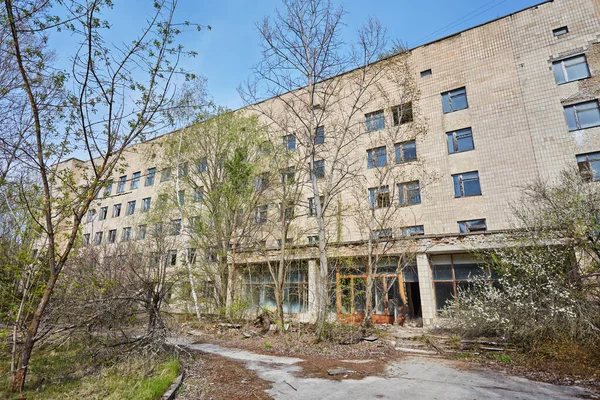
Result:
pixel 338 371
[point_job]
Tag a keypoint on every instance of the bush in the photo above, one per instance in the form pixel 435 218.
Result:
pixel 537 297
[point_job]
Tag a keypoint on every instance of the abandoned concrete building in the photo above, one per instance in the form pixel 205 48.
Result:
pixel 503 103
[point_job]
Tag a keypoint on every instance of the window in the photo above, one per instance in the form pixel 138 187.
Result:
pixel 121 186
pixel 146 204
pixel 375 121
pixel 287 212
pixel 289 142
pixel 377 157
pixel 379 197
pixel 103 213
pixel 150 177
pixel 183 169
pixel 571 69
pixel 259 289
pixel 126 234
pixel 382 234
pixel 312 208
pixel 288 175
pixel 455 272
pixel 141 232
pixel 262 181
pixel 473 225
pixel 260 214
pixel 582 115
pixel 98 238
pixel 454 100
pixel 202 165
pixel 116 210
pixel 402 114
pixel 406 152
pixel 210 254
pixel 135 180
pixel 176 227
pixel 86 239
pixel 320 135
pixel 319 169
pixel 466 184
pixel 112 236
pixel 313 240
pixel 191 255
pixel 560 31
pixel 414 230
pixel 288 241
pixel 130 207
pixel 165 174
pixel 589 166
pixel 172 257
pixel 181 197
pixel 108 189
pixel 409 193
pixel 199 195
pixel 91 215
pixel 425 73
pixel 459 141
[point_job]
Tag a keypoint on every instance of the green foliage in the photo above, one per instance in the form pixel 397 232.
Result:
pixel 504 358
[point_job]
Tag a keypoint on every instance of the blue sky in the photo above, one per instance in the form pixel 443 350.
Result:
pixel 228 51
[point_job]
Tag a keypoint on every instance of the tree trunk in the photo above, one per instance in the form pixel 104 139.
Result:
pixel 19 376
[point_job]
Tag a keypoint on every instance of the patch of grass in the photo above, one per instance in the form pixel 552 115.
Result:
pixel 504 358
pixel 267 346
pixel 67 372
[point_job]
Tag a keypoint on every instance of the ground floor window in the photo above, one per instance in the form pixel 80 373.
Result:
pixel 453 272
pixel 259 288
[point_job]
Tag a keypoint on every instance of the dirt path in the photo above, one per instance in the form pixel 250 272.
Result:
pixel 416 377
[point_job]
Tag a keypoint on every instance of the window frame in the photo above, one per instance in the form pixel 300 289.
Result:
pixel 380 197
pixel 449 95
pixel 404 191
pixel 112 236
pixel 121 184
pixel 126 234
pixel 584 164
pixel 400 153
pixel 561 70
pixel 289 142
pixel 140 232
pixel 461 181
pixel 374 162
pixel 320 134
pixel 116 210
pixel 150 175
pixel 464 226
pixel 130 208
pixel 146 204
pixel 413 230
pixel 375 121
pixel 575 114
pixel 402 114
pixel 135 180
pixel 103 213
pixel 463 133
pixel 261 214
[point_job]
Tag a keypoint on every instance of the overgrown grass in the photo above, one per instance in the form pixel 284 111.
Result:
pixel 67 372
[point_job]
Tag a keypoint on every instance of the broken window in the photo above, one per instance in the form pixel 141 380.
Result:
pixel 473 225
pixel 459 141
pixel 312 208
pixel 103 213
pixel 414 230
pixel 377 157
pixel 402 114
pixel 98 238
pixel 466 184
pixel 112 236
pixel 259 288
pixel 288 175
pixel 454 100
pixel 379 197
pixel 382 234
pixel 126 234
pixel 116 210
pixel 260 214
pixel 582 115
pixel 406 151
pixel 409 193
pixel 571 69
pixel 455 272
pixel 589 166
pixel 375 121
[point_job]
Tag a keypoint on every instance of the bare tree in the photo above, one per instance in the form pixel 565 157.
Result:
pixel 119 94
pixel 321 90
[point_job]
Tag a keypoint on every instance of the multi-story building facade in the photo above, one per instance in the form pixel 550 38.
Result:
pixel 504 103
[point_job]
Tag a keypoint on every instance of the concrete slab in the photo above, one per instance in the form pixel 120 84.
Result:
pixel 414 377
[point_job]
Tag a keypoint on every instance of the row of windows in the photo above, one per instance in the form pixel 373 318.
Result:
pixel 468 226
